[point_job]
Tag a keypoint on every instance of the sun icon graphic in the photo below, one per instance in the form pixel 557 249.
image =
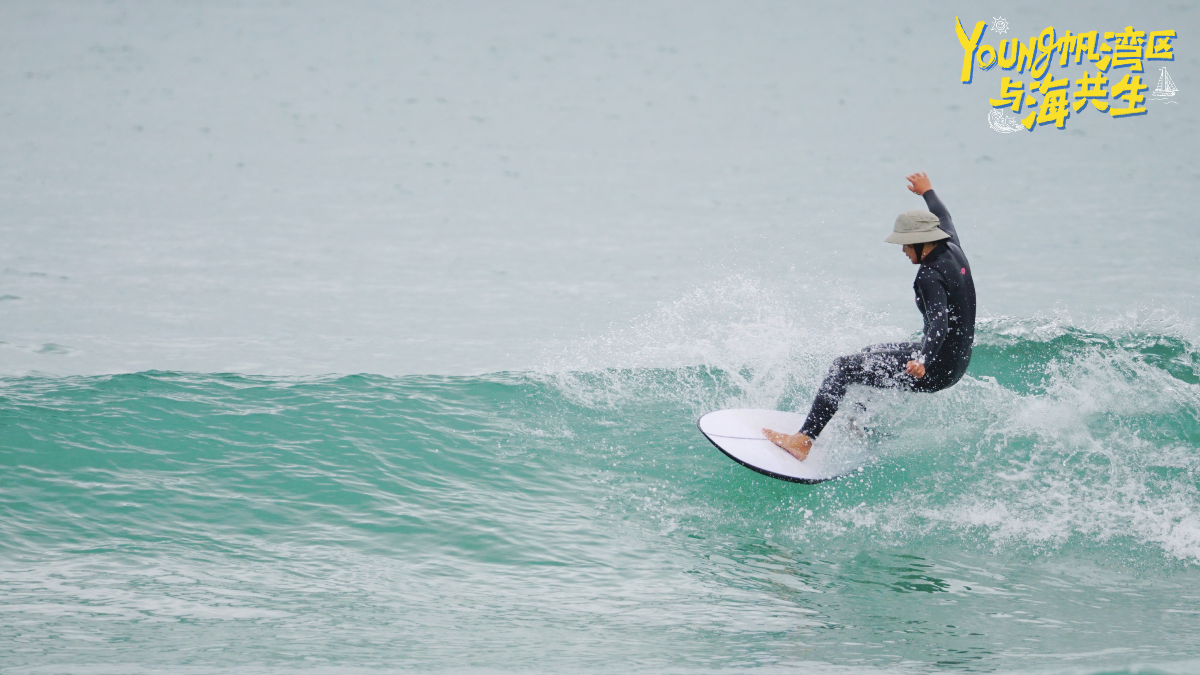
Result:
pixel 999 25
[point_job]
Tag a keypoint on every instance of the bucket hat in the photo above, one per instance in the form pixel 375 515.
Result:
pixel 917 226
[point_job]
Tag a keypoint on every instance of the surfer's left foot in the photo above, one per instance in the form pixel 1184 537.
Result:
pixel 797 445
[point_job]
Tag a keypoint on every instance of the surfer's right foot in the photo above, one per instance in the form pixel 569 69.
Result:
pixel 797 445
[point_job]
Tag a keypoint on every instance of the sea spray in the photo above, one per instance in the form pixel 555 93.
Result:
pixel 575 519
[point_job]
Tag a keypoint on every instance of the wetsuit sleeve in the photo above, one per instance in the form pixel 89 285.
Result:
pixel 937 208
pixel 932 290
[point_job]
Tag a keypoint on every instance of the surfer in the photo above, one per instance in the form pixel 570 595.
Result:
pixel 946 299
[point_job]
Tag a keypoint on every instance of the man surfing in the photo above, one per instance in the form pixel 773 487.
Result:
pixel 946 299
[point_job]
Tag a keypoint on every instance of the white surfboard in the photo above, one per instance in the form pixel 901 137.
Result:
pixel 738 434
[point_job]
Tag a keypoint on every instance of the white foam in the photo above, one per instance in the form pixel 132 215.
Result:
pixel 765 341
pixel 1081 462
pixel 1087 456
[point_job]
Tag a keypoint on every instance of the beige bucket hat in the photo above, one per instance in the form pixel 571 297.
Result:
pixel 916 227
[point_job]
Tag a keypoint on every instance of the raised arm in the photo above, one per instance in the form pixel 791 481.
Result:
pixel 918 183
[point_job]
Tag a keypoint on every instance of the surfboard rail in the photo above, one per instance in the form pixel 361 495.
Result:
pixel 737 433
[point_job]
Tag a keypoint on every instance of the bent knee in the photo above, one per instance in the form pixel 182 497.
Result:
pixel 844 364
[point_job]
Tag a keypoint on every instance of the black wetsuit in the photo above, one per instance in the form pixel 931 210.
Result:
pixel 946 298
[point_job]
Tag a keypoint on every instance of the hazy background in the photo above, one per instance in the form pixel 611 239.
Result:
pixel 421 187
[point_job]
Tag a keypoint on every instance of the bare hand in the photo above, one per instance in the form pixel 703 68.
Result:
pixel 915 368
pixel 919 183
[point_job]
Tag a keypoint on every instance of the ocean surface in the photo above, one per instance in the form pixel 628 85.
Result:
pixel 370 337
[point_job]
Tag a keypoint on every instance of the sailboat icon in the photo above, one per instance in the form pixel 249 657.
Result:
pixel 1165 87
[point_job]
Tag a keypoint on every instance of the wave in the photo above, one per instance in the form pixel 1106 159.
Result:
pixel 1057 438
pixel 318 514
pixel 1060 436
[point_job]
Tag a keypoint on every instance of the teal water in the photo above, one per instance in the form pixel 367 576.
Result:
pixel 1041 516
pixel 549 235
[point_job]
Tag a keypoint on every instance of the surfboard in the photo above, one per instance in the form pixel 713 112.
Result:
pixel 738 434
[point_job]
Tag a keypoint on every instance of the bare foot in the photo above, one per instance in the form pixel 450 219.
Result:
pixel 797 445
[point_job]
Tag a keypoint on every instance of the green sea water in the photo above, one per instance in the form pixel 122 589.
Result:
pixel 1041 516
pixel 370 337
